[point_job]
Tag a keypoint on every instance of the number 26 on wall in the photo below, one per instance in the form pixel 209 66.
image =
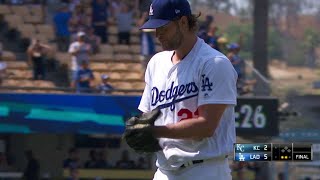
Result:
pixel 250 117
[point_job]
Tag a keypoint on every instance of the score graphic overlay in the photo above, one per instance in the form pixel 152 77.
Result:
pixel 252 152
pixel 272 152
pixel 302 152
pixel 282 152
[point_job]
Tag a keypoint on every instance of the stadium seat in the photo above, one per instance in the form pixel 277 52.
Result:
pixel 101 57
pixel 41 37
pixel 119 67
pixel 40 83
pixel 46 30
pixel 137 57
pixel 19 74
pixel 13 20
pixel 135 31
pixel 121 49
pixel 5 9
pixel 115 76
pixel 134 39
pixel 98 66
pixel 157 42
pixel 64 58
pixel 36 10
pixel 53 51
pixel 135 67
pixel 135 49
pixel 33 19
pixel 86 2
pixel 138 85
pixel 133 76
pixel 21 10
pixel 27 30
pixel 111 21
pixel 159 48
pixel 118 93
pixel 88 11
pixel 96 76
pixel 17 65
pixel 8 56
pixel 113 30
pixel 123 85
pixel 18 83
pixel 123 57
pixel 113 39
pixel 106 49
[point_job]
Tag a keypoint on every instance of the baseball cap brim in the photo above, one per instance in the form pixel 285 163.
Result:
pixel 154 23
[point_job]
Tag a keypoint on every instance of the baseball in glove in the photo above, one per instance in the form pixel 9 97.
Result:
pixel 138 133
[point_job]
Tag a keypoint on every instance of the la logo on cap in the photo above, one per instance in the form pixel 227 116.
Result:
pixel 151 11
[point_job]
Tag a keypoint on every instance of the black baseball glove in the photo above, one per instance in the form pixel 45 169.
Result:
pixel 138 133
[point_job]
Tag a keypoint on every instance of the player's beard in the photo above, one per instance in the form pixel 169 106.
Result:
pixel 174 42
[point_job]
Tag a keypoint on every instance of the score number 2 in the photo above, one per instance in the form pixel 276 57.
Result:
pixel 253 117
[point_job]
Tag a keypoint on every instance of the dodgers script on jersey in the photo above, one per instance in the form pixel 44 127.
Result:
pixel 204 76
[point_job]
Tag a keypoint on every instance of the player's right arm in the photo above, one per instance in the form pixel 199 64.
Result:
pixel 194 128
pixel 144 105
pixel 73 50
pixel 217 91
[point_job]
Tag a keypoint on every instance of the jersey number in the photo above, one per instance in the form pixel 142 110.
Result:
pixel 187 114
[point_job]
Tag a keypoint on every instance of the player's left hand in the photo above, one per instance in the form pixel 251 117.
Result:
pixel 138 133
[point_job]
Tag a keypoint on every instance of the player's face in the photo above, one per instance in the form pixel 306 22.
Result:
pixel 170 36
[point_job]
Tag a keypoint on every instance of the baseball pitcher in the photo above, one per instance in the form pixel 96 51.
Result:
pixel 188 101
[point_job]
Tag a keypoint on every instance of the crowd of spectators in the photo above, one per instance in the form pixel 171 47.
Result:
pixel 90 19
pixel 98 160
pixel 82 26
pixel 74 16
pixel 5 165
pixel 3 66
pixel 104 87
pixel 21 2
pixel 31 170
pixel 86 28
pixel 36 58
pixel 209 32
pixel 124 22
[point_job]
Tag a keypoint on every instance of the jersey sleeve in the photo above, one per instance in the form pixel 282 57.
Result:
pixel 144 105
pixel 91 74
pixel 217 82
pixel 72 48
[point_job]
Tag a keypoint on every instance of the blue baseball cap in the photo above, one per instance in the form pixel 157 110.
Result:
pixel 163 11
pixel 233 46
pixel 104 76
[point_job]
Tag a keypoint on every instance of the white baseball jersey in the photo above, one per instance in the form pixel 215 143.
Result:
pixel 83 55
pixel 204 76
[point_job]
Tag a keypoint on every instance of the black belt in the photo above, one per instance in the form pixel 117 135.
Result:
pixel 201 161
pixel 193 162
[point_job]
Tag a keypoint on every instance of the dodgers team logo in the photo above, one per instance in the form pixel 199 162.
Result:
pixel 178 93
pixel 206 85
pixel 151 11
pixel 172 94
